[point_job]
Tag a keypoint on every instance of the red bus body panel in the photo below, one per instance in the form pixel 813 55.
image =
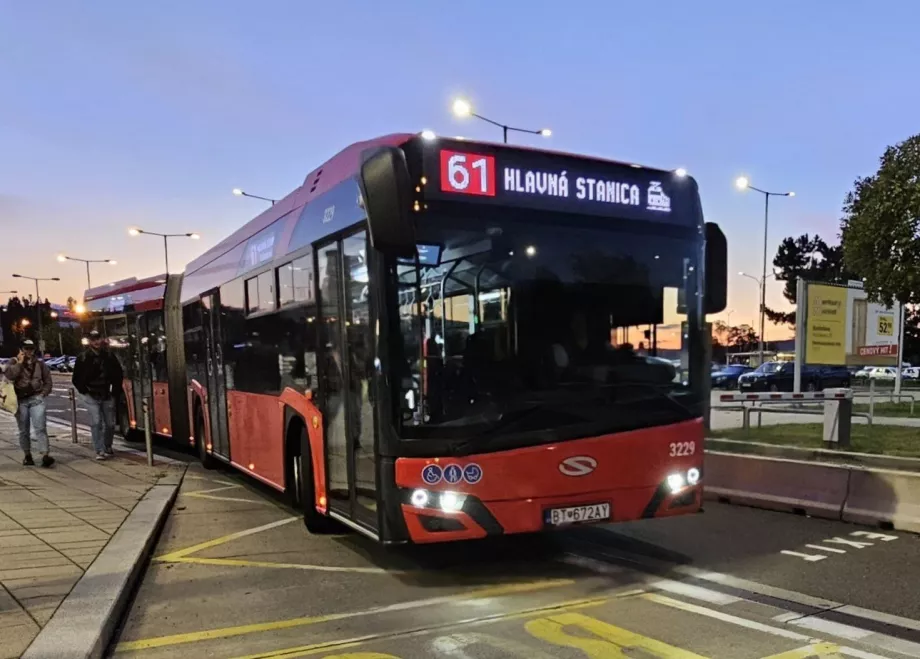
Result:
pixel 256 428
pixel 516 486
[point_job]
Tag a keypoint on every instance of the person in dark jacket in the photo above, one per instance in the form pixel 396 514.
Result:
pixel 31 380
pixel 97 375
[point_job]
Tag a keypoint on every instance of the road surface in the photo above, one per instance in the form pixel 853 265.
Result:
pixel 236 575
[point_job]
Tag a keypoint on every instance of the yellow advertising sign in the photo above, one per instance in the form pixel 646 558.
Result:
pixel 886 325
pixel 825 328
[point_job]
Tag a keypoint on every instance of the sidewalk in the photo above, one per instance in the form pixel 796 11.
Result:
pixel 54 522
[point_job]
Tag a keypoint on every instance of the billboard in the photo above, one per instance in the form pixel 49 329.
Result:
pixel 842 327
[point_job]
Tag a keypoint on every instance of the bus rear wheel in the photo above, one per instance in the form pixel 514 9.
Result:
pixel 206 460
pixel 302 469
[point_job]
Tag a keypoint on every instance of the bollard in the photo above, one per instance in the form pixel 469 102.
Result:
pixel 838 413
pixel 73 414
pixel 871 397
pixel 148 435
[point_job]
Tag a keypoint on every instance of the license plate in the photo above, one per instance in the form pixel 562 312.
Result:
pixel 595 512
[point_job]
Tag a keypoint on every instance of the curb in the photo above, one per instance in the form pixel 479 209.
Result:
pixel 83 625
pixel 819 455
pixel 882 497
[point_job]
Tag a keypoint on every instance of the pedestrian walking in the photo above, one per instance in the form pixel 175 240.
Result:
pixel 31 380
pixel 97 375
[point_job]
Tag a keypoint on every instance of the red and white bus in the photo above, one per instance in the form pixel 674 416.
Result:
pixel 434 340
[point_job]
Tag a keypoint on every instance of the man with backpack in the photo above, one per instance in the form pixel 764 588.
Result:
pixel 32 383
pixel 98 375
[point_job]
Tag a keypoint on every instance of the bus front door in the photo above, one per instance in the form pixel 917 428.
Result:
pixel 346 379
pixel 216 381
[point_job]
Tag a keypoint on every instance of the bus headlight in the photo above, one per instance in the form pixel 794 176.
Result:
pixel 451 502
pixel 693 476
pixel 675 482
pixel 419 498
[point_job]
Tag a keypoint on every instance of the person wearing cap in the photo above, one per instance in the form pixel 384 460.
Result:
pixel 97 375
pixel 32 383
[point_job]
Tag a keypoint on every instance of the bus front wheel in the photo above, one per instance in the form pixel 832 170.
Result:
pixel 315 521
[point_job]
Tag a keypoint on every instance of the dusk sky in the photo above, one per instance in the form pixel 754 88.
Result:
pixel 118 113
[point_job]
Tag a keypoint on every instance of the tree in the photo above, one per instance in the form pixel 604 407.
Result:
pixel 743 338
pixel 808 257
pixel 881 218
pixel 71 303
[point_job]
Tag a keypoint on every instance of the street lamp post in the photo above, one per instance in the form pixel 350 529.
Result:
pixel 463 108
pixel 63 257
pixel 38 298
pixel 240 193
pixel 1 313
pixel 165 236
pixel 743 183
pixel 54 315
pixel 762 287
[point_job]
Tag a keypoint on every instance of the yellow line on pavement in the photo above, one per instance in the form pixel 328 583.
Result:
pixel 240 630
pixel 182 553
pixel 316 648
pixel 288 566
pixel 815 651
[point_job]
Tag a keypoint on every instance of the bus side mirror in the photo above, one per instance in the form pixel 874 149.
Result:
pixel 386 194
pixel 716 285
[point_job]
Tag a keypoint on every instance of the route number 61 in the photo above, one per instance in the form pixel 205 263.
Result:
pixel 467 173
pixel 681 449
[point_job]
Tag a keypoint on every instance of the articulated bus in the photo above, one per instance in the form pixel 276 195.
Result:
pixel 435 340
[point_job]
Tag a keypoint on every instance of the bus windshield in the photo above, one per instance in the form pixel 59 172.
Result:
pixel 513 328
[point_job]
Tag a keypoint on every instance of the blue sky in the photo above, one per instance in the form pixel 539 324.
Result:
pixel 127 113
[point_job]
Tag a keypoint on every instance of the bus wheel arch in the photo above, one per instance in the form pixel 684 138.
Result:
pixel 299 473
pixel 201 443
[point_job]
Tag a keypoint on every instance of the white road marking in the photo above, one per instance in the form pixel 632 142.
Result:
pixel 811 558
pixel 872 535
pixel 829 627
pixel 833 550
pixel 726 617
pixel 695 592
pixel 879 616
pixel 849 543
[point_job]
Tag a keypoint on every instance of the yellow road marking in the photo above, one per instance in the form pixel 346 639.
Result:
pixel 608 642
pixel 316 648
pixel 287 566
pixel 816 651
pixel 182 553
pixel 240 630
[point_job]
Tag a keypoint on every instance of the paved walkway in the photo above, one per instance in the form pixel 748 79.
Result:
pixel 54 522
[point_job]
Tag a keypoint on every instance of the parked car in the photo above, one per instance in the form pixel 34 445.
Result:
pixel 727 376
pixel 780 376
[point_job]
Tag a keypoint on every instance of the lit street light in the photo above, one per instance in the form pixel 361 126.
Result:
pixel 240 193
pixel 462 108
pixel 64 258
pixel 134 231
pixel 744 183
pixel 25 322
pixel 38 298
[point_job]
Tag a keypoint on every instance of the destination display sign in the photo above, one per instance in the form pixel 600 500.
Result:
pixel 557 182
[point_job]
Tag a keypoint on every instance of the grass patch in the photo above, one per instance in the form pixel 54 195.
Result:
pixel 888 409
pixel 901 441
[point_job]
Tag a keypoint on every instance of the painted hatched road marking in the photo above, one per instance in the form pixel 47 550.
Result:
pixel 241 630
